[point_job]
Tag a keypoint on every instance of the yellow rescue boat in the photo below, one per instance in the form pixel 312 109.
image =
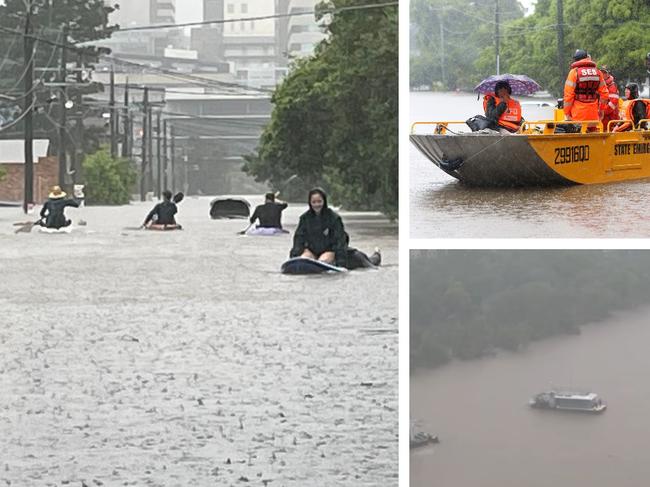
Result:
pixel 537 156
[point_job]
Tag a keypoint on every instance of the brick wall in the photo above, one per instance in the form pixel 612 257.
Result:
pixel 46 175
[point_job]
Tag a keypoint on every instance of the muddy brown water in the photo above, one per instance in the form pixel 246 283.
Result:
pixel 489 436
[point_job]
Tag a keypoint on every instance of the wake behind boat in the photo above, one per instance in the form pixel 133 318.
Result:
pixel 537 156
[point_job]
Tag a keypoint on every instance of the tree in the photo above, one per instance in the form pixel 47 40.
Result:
pixel 108 181
pixel 335 117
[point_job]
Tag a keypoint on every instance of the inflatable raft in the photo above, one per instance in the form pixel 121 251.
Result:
pixel 537 156
pixel 229 208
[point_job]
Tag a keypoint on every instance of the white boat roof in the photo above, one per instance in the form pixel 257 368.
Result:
pixel 590 396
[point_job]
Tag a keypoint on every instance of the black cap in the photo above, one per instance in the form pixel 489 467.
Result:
pixel 580 54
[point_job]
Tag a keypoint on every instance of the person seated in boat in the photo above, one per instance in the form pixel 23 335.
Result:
pixel 634 109
pixel 357 259
pixel 501 109
pixel 585 90
pixel 163 213
pixel 53 211
pixel 320 234
pixel 270 213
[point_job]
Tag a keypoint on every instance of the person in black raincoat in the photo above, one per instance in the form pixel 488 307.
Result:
pixel 163 213
pixel 320 234
pixel 53 210
pixel 270 213
pixel 359 260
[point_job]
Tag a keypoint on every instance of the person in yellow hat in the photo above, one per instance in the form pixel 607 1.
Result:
pixel 53 210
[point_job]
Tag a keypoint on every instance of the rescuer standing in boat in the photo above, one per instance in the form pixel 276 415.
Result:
pixel 585 91
pixel 501 109
pixel 611 111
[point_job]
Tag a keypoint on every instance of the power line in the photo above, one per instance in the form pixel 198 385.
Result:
pixel 259 17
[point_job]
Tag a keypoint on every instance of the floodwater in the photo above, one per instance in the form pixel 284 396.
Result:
pixel 490 437
pixel 442 208
pixel 186 358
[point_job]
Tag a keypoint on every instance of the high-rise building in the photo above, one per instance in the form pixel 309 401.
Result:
pixel 208 40
pixel 303 33
pixel 136 13
pixel 249 45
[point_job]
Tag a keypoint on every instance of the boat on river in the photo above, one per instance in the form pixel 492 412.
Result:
pixel 588 402
pixel 542 153
pixel 418 438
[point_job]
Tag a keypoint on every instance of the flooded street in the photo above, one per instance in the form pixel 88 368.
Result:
pixel 441 208
pixel 490 437
pixel 185 358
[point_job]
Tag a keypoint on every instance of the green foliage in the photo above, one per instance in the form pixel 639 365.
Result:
pixel 334 122
pixel 108 181
pixel 456 31
pixel 614 32
pixel 467 304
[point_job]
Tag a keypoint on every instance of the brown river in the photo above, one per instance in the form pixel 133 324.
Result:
pixel 186 359
pixel 490 437
pixel 442 208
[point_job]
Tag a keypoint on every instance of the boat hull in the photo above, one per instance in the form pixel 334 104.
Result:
pixel 539 160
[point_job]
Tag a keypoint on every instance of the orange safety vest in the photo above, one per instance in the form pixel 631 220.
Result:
pixel 511 118
pixel 584 86
pixel 626 113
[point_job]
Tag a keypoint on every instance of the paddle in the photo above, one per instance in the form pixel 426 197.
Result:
pixel 245 230
pixel 26 227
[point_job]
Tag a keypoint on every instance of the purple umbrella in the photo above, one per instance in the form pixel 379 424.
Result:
pixel 520 84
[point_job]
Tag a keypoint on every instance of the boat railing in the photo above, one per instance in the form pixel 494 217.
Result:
pixel 440 126
pixel 535 127
pixel 547 127
pixel 637 128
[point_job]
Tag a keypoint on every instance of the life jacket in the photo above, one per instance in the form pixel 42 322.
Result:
pixel 511 118
pixel 629 105
pixel 588 80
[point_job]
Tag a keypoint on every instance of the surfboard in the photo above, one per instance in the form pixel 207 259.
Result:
pixel 267 231
pixel 163 228
pixel 303 265
pixel 67 229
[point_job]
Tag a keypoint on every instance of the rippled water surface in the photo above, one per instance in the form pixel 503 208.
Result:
pixel 186 358
pixel 441 208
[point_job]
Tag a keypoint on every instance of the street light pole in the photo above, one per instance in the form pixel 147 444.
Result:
pixel 496 35
pixel 28 52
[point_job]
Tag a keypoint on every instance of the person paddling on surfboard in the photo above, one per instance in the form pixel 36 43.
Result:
pixel 270 213
pixel 163 213
pixel 320 234
pixel 53 210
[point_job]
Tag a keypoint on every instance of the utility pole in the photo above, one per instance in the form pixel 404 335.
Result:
pixel 79 132
pixel 172 168
pixel 150 149
pixel 159 189
pixel 28 52
pixel 560 44
pixel 127 124
pixel 63 74
pixel 165 155
pixel 442 46
pixel 496 33
pixel 113 121
pixel 145 130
